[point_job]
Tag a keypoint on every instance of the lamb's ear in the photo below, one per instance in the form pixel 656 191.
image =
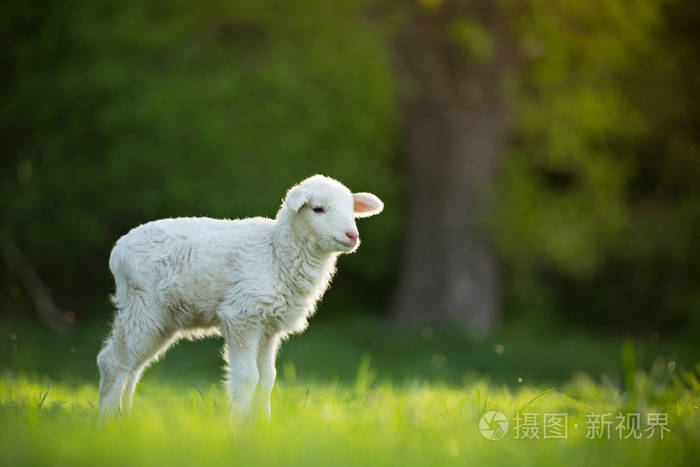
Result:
pixel 366 204
pixel 296 198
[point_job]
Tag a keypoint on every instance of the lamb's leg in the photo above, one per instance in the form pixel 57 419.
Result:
pixel 112 379
pixel 131 382
pixel 134 341
pixel 160 343
pixel 242 341
pixel 266 367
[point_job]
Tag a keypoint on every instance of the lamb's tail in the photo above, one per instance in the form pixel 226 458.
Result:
pixel 131 269
pixel 116 266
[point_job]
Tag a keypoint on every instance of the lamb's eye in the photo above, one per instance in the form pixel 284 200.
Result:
pixel 319 209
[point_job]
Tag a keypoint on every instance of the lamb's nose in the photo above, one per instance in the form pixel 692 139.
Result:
pixel 352 236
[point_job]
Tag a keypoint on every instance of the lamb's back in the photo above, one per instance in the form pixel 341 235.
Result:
pixel 188 245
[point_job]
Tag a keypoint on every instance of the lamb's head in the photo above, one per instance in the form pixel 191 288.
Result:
pixel 323 211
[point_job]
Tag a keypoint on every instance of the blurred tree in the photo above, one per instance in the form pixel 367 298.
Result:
pixel 587 104
pixel 454 60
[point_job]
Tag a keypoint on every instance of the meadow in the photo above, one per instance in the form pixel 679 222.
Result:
pixel 357 392
pixel 539 162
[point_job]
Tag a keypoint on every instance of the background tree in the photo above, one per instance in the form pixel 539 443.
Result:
pixel 593 212
pixel 453 62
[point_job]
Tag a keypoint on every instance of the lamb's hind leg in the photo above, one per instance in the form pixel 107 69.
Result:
pixel 106 362
pixel 134 342
pixel 147 355
pixel 113 377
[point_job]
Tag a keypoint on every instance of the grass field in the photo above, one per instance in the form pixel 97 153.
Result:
pixel 355 393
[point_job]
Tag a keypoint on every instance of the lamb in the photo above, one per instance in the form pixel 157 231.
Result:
pixel 254 281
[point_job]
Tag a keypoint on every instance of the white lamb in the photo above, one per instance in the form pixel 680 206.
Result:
pixel 253 280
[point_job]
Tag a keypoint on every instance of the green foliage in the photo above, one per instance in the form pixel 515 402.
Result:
pixel 115 113
pixel 599 197
pixel 471 38
pixel 564 181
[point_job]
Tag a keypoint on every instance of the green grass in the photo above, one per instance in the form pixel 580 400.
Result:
pixel 354 393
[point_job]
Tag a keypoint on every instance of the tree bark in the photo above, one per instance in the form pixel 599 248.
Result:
pixel 455 129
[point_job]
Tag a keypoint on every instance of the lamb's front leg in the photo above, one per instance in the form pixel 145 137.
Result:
pixel 242 343
pixel 267 354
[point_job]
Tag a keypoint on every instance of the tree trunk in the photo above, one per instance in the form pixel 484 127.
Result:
pixel 455 129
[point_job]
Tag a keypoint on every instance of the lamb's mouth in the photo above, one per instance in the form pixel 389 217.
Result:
pixel 346 245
